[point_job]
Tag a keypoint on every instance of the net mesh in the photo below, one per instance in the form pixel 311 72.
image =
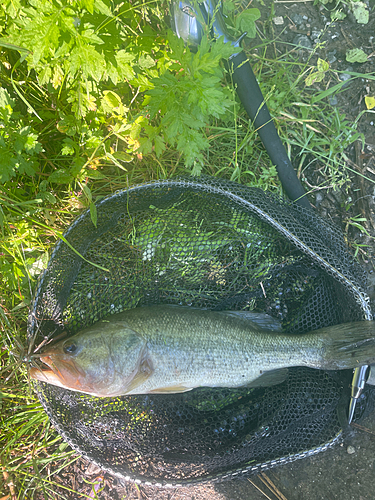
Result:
pixel 212 244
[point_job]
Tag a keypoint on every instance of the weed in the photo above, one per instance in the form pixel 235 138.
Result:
pixel 85 55
pixel 357 8
pixel 31 453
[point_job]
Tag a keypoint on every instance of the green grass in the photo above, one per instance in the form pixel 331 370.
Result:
pixel 71 142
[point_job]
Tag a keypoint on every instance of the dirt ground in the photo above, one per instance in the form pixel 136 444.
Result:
pixel 310 26
pixel 347 470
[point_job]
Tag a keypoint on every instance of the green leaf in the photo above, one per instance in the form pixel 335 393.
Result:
pixel 94 141
pixel 135 131
pixel 57 77
pixel 69 148
pixel 197 169
pixel 356 55
pixel 60 235
pixel 322 65
pixel 113 160
pixel 222 50
pixel 159 145
pixel 94 174
pixel 77 166
pixel 146 62
pixel 11 46
pixel 326 93
pixel 67 125
pixel 315 77
pixel 26 165
pixel 145 145
pixel 49 197
pixel 142 82
pixel 44 76
pixel 60 177
pixel 228 7
pixel 88 60
pixel 5 99
pixel 64 50
pixel 187 100
pixel 177 45
pixel 88 5
pixel 101 7
pixel 360 12
pixel 46 35
pixel 246 21
pixel 12 7
pixel 338 15
pixel 7 167
pixel 124 67
pixel 90 36
pixel 30 143
pixel 112 99
pixel 112 72
pixel 87 192
pixel 122 156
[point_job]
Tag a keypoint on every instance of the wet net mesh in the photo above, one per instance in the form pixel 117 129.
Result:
pixel 212 244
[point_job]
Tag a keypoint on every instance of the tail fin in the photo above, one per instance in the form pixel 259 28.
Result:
pixel 348 345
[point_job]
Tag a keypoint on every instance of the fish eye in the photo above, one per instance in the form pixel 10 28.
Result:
pixel 70 348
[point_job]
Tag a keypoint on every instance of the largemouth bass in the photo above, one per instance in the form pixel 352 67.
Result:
pixel 170 349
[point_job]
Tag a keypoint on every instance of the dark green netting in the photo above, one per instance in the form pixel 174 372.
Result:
pixel 213 244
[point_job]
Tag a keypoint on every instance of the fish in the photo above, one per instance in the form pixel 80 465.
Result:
pixel 171 349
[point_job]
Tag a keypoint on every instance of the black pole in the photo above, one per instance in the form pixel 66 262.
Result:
pixel 252 99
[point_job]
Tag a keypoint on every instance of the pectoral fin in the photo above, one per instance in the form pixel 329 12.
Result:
pixel 144 370
pixel 267 379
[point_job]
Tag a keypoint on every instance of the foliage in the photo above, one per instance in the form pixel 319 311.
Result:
pixel 356 55
pixel 19 146
pixel 195 92
pixel 356 7
pixel 246 21
pixel 240 22
pixel 360 11
pixel 317 75
pixel 81 53
pixel 93 62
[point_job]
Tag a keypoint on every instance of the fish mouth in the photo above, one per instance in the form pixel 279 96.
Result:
pixel 44 374
pixel 58 372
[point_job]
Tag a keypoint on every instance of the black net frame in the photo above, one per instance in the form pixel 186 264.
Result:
pixel 215 244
